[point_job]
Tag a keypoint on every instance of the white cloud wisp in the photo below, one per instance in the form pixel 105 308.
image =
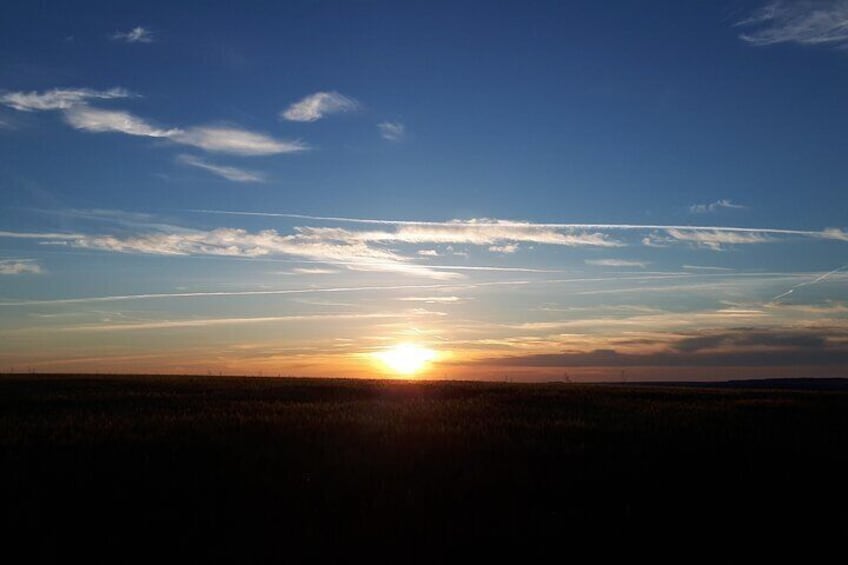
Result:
pixel 95 120
pixel 79 115
pixel 19 267
pixel 715 206
pixel 802 22
pixel 137 34
pixel 59 98
pixel 318 105
pixel 392 131
pixel 230 173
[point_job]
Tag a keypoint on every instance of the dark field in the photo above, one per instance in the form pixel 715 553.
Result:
pixel 206 469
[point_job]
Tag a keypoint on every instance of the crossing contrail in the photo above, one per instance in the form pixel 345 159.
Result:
pixel 807 283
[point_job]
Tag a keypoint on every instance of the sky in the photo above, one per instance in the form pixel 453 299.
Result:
pixel 527 191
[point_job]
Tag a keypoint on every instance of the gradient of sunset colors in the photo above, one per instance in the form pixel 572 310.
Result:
pixel 459 190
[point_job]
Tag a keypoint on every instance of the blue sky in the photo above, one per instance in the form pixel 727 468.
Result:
pixel 518 187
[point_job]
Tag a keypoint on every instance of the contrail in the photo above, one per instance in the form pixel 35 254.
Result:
pixel 513 223
pixel 212 294
pixel 807 283
pixel 379 288
pixel 319 290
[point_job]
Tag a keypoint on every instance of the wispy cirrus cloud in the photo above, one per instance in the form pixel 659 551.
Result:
pixel 79 115
pixel 487 231
pixel 96 120
pixel 236 141
pixel 234 242
pixel 239 293
pixel 318 105
pixel 616 263
pixel 313 271
pixel 59 98
pixel 506 249
pixel 805 22
pixel 20 267
pixel 208 322
pixel 435 299
pixel 483 232
pixel 715 239
pixel 234 174
pixel 137 34
pixel 715 206
pixel 392 131
pixel 706 268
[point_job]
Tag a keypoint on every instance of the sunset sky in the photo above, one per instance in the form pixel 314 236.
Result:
pixel 520 190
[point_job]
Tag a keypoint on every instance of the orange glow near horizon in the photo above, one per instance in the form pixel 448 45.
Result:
pixel 406 359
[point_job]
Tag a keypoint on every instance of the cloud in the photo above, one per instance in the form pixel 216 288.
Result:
pixel 829 233
pixel 715 239
pixel 19 267
pixel 475 232
pixel 834 233
pixel 428 253
pixel 59 98
pixel 768 338
pixel 506 249
pixel 714 206
pixel 208 322
pixel 229 140
pixel 737 348
pixel 135 35
pixel 230 173
pixel 392 131
pixel 235 141
pixel 316 106
pixel 96 120
pixel 218 294
pixel 434 299
pixel 706 268
pixel 802 22
pixel 313 271
pixel 616 263
pixel 233 242
pixel 79 115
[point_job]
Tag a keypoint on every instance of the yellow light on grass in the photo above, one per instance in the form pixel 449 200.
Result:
pixel 406 358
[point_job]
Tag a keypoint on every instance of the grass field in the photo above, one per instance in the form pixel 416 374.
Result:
pixel 250 469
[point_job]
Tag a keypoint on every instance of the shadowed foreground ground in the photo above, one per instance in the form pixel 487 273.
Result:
pixel 243 469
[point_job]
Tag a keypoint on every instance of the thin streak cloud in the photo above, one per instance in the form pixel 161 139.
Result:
pixel 816 280
pixel 208 322
pixel 235 141
pixel 234 174
pixel 219 294
pixel 616 263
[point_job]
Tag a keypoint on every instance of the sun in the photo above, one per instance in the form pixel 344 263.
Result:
pixel 406 358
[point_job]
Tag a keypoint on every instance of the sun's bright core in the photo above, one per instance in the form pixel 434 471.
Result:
pixel 406 358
